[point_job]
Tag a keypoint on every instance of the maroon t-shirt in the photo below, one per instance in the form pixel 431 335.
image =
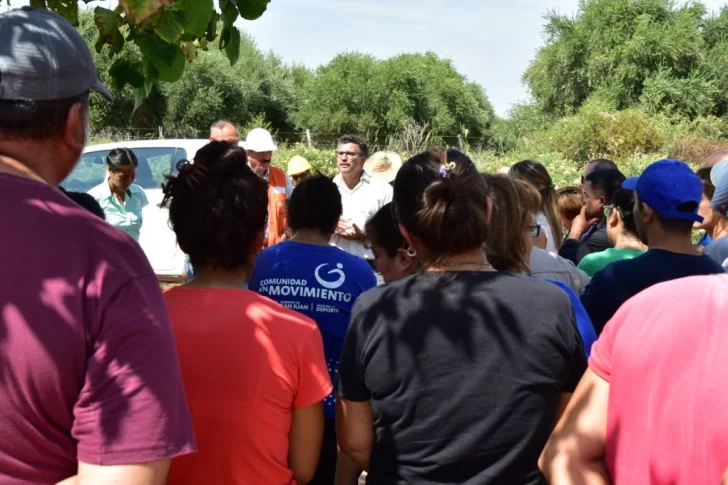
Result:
pixel 88 366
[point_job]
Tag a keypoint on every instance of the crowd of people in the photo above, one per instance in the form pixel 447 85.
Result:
pixel 413 323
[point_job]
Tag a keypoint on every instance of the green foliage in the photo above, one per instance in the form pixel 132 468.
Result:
pixel 627 52
pixel 358 93
pixel 594 132
pixel 165 31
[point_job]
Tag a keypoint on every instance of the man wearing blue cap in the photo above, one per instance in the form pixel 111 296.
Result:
pixel 666 207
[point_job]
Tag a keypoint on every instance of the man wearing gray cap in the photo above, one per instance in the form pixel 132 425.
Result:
pixel 90 383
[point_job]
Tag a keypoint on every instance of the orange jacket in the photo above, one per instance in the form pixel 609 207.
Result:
pixel 276 206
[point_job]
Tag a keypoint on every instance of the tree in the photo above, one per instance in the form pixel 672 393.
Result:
pixel 209 89
pixel 626 53
pixel 358 93
pixel 168 34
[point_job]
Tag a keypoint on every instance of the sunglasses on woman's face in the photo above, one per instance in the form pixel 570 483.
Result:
pixel 535 230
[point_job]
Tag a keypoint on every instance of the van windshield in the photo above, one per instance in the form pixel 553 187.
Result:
pixel 154 164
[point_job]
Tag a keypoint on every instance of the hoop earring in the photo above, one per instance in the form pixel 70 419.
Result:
pixel 411 253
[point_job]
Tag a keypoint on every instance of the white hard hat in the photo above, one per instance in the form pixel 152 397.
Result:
pixel 259 140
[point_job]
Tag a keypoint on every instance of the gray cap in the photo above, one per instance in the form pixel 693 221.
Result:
pixel 720 198
pixel 44 58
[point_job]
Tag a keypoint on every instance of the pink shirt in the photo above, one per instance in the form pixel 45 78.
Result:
pixel 88 366
pixel 664 355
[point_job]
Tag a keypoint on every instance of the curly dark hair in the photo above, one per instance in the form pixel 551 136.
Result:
pixel 217 207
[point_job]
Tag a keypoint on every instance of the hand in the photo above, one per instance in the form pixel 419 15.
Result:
pixel 343 227
pixel 355 234
pixel 581 224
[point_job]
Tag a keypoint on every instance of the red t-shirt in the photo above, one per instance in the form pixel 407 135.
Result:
pixel 88 369
pixel 664 356
pixel 246 362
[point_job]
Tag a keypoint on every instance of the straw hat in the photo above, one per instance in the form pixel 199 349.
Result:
pixel 298 165
pixel 383 165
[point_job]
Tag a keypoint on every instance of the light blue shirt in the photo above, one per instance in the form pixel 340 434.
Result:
pixel 127 217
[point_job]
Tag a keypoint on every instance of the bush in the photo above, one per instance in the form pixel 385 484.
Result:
pixel 593 133
pixel 695 150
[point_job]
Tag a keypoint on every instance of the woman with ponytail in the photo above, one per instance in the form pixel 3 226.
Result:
pixel 254 371
pixel 549 217
pixel 457 373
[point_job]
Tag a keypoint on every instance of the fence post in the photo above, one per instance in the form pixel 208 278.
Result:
pixel 308 138
pixel 460 142
pixel 161 133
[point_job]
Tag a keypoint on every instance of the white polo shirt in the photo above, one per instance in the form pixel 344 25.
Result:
pixel 360 204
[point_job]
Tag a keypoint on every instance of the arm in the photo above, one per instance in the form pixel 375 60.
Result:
pixel 305 437
pixel 355 430
pixel 347 473
pixel 568 249
pixel 574 455
pixel 153 473
pixel 599 301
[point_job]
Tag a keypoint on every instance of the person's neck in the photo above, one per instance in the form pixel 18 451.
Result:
pixel 674 243
pixel 627 241
pixel 115 191
pixel 15 160
pixel 351 180
pixel 310 236
pixel 720 229
pixel 469 261
pixel 208 277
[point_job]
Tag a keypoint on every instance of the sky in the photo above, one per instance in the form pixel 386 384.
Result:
pixel 490 41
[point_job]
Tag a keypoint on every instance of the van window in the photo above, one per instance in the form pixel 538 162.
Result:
pixel 154 164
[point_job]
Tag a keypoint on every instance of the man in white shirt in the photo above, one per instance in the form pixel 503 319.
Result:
pixel 361 196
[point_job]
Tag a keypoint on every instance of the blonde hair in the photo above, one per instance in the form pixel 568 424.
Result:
pixel 537 175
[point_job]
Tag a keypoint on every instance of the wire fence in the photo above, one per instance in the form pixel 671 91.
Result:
pixel 322 141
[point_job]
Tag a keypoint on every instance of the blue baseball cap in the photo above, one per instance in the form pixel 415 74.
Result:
pixel 665 186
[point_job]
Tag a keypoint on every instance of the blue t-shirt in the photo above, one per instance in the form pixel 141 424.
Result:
pixel 583 322
pixel 321 282
pixel 611 287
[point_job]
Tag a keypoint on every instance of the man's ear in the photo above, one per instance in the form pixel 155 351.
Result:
pixel 74 136
pixel 648 215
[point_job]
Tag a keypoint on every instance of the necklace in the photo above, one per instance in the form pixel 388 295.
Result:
pixel 464 263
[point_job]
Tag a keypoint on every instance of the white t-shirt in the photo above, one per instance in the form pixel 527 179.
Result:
pixel 360 204
pixel 543 221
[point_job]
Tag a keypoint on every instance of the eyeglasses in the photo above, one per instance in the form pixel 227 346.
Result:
pixel 347 154
pixel 535 230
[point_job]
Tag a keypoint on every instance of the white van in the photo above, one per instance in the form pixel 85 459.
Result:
pixel 157 158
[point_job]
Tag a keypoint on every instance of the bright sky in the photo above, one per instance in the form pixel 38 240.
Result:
pixel 490 41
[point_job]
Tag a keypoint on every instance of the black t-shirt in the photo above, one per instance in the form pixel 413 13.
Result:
pixel 464 372
pixel 611 287
pixel 596 241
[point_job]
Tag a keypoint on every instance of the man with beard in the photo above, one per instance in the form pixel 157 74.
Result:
pixel 588 233
pixel 666 207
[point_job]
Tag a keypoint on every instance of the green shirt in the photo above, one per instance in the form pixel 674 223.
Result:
pixel 127 217
pixel 595 262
